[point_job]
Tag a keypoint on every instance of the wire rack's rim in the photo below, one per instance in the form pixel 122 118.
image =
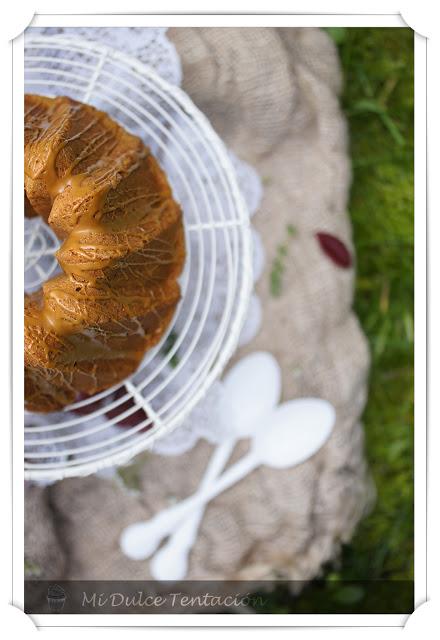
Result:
pixel 243 293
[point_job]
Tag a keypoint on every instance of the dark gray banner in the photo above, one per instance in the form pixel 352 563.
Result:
pixel 152 597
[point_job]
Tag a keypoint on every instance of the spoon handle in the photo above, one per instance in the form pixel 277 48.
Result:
pixel 171 561
pixel 140 540
pixel 239 470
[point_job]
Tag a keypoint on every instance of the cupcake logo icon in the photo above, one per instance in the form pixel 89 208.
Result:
pixel 56 597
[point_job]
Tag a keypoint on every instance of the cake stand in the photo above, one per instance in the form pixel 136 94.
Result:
pixel 113 426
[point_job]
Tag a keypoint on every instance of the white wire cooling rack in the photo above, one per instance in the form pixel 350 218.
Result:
pixel 111 427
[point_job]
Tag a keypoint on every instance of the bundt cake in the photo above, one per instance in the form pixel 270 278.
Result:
pixel 105 196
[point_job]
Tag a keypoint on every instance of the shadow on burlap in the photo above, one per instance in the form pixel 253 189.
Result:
pixel 272 95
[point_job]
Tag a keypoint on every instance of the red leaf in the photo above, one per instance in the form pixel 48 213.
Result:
pixel 335 249
pixel 132 420
pixel 87 408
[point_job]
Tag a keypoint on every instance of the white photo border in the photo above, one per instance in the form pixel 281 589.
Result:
pixel 376 20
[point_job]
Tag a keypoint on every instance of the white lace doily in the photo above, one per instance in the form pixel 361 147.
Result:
pixel 148 45
pixel 208 419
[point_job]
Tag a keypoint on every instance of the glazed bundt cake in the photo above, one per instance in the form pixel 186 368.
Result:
pixel 105 196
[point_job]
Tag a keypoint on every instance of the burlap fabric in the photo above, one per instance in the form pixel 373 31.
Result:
pixel 272 94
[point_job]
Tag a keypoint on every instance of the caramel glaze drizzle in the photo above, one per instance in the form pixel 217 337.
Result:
pixel 90 187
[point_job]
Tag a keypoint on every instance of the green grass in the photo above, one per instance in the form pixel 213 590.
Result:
pixel 378 101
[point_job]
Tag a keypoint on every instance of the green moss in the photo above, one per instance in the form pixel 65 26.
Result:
pixel 130 474
pixel 276 274
pixel 169 344
pixel 31 569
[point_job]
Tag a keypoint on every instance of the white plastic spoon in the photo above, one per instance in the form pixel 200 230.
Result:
pixel 297 430
pixel 253 389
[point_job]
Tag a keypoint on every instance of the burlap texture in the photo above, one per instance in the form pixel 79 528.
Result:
pixel 272 94
pixel 43 550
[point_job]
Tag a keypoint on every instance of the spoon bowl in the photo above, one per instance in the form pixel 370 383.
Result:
pixel 253 389
pixel 297 430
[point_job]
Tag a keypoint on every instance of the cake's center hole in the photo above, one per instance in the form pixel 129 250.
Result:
pixel 40 246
